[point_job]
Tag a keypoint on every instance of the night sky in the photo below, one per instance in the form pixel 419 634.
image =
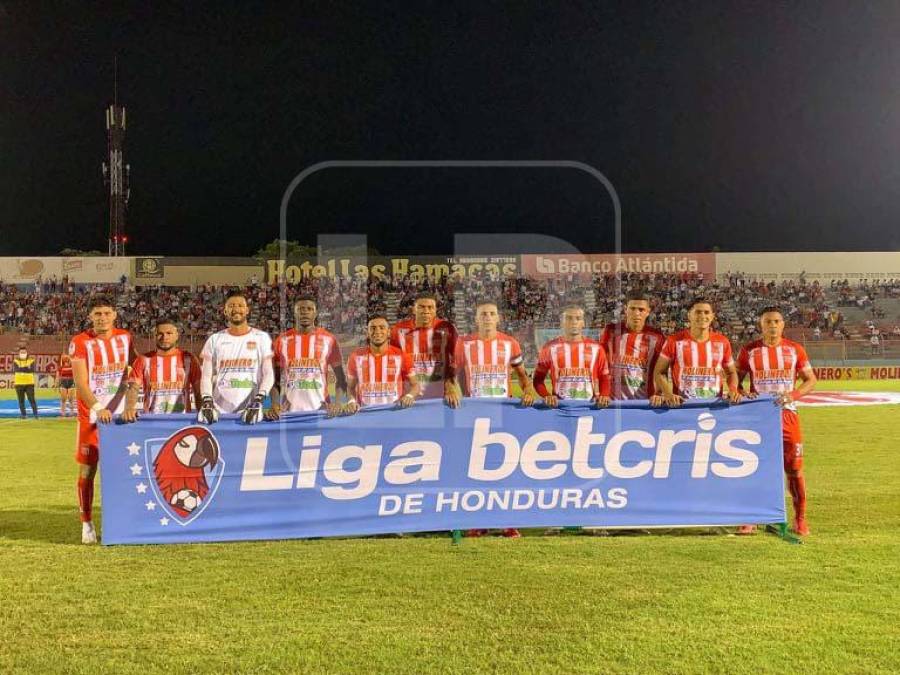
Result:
pixel 747 126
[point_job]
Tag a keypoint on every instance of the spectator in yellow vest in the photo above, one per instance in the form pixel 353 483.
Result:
pixel 23 380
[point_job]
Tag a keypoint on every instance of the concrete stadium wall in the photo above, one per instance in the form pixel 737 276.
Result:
pixel 184 271
pixel 818 266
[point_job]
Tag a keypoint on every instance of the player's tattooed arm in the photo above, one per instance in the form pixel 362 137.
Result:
pixel 131 396
pixel 452 394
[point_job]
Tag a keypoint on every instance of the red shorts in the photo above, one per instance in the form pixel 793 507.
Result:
pixel 87 443
pixel 792 441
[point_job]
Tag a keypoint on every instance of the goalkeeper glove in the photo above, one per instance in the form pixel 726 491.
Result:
pixel 253 413
pixel 207 413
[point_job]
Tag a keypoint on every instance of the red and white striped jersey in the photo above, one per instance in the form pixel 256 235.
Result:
pixel 431 348
pixel 485 364
pixel 578 369
pixel 166 380
pixel 697 366
pixel 379 377
pixel 304 360
pixel 107 367
pixel 773 370
pixel 632 358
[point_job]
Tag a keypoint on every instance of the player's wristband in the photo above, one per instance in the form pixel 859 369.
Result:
pixel 97 407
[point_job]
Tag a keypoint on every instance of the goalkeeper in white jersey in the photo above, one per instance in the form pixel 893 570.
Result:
pixel 237 372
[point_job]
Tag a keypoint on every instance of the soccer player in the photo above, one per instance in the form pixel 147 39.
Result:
pixel 632 348
pixel 377 372
pixel 236 372
pixel 577 365
pixel 698 357
pixel 431 343
pixel 485 361
pixel 302 357
pixel 168 377
pixel 774 363
pixel 66 385
pixel 100 358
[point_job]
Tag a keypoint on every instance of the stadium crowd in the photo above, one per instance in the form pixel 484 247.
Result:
pixel 56 307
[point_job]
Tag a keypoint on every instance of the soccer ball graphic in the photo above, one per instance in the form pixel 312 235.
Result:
pixel 186 500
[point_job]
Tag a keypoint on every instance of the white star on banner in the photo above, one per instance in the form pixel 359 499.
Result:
pixel 135 469
pixel 163 521
pixel 133 449
pixel 141 487
pixel 150 505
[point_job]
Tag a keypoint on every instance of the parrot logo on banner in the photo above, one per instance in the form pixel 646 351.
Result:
pixel 187 470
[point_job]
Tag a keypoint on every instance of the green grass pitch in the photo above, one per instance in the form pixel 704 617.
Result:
pixel 667 602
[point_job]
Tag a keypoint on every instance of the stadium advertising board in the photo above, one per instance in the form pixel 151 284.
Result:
pixel 814 266
pixel 433 268
pixel 488 464
pixel 575 264
pixel 79 270
pixel 45 368
pixel 43 363
pixel 858 373
pixel 42 381
pixel 149 268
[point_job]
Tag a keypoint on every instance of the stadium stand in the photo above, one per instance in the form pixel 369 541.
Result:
pixel 836 322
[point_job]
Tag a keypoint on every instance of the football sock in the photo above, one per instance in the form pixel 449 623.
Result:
pixel 797 488
pixel 85 498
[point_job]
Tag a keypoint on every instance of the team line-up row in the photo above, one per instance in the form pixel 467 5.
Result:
pixel 423 356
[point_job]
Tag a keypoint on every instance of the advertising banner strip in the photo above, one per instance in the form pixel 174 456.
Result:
pixel 551 265
pixel 489 464
pixel 434 268
pixel 857 372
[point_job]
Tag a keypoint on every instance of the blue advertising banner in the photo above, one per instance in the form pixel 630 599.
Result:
pixel 488 464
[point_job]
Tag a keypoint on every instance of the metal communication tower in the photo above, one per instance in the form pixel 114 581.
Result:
pixel 116 175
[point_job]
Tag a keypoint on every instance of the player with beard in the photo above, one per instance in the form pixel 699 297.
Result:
pixel 168 377
pixel 377 372
pixel 100 358
pixel 302 357
pixel 236 371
